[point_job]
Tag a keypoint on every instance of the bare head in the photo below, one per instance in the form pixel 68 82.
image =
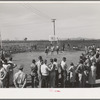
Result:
pixel 55 59
pixel 51 60
pixel 21 67
pixel 33 61
pixel 10 58
pixel 45 61
pixel 5 61
pixel 64 59
pixel 71 64
pixel 40 58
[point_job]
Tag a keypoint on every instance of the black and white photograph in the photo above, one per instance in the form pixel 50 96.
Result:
pixel 49 45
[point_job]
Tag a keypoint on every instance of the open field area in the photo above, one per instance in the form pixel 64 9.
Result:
pixel 26 58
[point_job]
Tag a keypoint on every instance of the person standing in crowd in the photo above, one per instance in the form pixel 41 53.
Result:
pixel 63 47
pixel 39 63
pixel 92 74
pixel 72 74
pixel 88 61
pixel 34 74
pixel 52 49
pixel 92 56
pixel 2 75
pixel 45 74
pixel 56 72
pixel 47 50
pixel 86 50
pixel 97 66
pixel 64 71
pixel 20 78
pixel 52 74
pixel 6 66
pixel 57 49
pixel 12 66
pixel 98 51
pixel 81 75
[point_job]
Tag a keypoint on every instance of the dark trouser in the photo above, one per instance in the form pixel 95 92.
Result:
pixel 44 81
pixel 34 82
pixel 52 80
pixel 64 78
pixel 57 51
pixel 32 78
pixel 6 81
pixel 56 78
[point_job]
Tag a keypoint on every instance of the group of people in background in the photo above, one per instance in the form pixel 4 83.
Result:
pixel 6 72
pixel 55 74
pixel 51 49
pixel 59 74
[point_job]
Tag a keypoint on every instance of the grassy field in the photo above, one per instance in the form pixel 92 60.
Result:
pixel 26 58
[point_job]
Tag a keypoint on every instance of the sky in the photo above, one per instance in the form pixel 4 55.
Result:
pixel 33 20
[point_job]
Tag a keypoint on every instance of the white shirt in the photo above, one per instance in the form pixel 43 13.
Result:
pixel 45 70
pixel 64 65
pixel 6 67
pixel 12 65
pixel 38 65
pixel 56 65
pixel 20 77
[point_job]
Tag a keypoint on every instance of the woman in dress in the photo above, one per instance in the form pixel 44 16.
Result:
pixel 72 74
pixel 92 74
pixel 2 75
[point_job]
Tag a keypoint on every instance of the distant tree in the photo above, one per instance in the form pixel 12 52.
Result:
pixel 25 39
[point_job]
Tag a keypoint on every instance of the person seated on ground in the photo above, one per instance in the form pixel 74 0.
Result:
pixel 20 78
pixel 34 74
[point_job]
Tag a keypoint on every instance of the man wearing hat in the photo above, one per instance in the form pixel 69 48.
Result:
pixel 20 78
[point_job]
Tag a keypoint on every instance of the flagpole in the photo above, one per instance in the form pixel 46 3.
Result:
pixel 0 40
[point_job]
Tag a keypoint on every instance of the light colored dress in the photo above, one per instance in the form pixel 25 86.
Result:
pixel 72 73
pixel 2 76
pixel 39 72
pixel 12 66
pixel 92 75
